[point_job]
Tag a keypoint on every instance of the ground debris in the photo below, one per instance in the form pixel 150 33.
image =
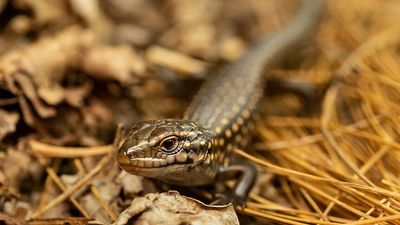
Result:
pixel 174 209
pixel 118 63
pixel 34 72
pixel 8 122
pixel 62 221
pixel 174 60
pixel 47 12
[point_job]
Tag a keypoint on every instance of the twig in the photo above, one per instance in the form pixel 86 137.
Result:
pixel 71 190
pixel 46 150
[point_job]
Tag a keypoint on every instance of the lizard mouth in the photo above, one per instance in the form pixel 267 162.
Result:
pixel 178 174
pixel 153 171
pixel 154 167
pixel 133 164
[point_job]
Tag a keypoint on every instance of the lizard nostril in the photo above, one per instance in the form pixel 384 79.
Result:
pixel 122 158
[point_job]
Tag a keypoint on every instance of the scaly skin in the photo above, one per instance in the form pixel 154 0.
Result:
pixel 197 149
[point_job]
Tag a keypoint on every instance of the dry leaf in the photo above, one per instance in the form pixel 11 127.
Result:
pixel 118 63
pixel 8 122
pixel 174 209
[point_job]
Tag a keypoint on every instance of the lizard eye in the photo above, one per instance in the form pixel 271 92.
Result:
pixel 169 143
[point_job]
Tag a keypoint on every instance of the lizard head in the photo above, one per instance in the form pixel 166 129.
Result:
pixel 169 150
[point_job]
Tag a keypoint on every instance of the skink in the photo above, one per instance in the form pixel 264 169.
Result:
pixel 197 149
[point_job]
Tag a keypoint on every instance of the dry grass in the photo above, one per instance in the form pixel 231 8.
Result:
pixel 341 166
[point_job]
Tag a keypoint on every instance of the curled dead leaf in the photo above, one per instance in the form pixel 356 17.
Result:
pixel 39 67
pixel 172 208
pixel 118 63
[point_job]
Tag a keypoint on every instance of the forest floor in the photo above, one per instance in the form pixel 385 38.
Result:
pixel 71 71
